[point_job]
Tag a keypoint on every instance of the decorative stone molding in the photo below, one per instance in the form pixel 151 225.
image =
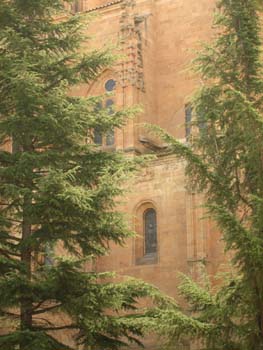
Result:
pixel 131 42
pixel 110 3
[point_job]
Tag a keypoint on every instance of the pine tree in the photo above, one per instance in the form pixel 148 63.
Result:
pixel 225 162
pixel 58 191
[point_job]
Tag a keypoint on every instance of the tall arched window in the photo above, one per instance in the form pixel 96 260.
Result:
pixel 99 138
pixel 146 241
pixel 150 231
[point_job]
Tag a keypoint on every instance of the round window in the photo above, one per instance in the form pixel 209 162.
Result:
pixel 110 85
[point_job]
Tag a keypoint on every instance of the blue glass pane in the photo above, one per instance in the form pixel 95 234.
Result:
pixel 109 103
pixel 98 107
pixel 97 137
pixel 110 85
pixel 109 106
pixel 150 231
pixel 110 139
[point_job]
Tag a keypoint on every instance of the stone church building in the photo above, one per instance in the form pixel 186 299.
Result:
pixel 156 40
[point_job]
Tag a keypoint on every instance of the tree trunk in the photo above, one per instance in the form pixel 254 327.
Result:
pixel 26 302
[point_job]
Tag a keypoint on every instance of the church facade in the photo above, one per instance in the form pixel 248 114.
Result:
pixel 156 41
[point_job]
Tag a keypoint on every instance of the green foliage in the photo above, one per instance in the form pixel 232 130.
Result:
pixel 57 190
pixel 224 161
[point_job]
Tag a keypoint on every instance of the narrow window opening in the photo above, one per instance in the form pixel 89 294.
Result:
pixel 150 231
pixel 110 138
pixel 97 137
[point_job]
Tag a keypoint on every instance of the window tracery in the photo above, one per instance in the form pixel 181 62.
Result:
pixel 109 138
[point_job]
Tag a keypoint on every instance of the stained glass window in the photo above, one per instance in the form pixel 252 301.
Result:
pixel 150 231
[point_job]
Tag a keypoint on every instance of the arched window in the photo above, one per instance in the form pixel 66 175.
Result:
pixel 150 231
pixel 98 137
pixel 146 241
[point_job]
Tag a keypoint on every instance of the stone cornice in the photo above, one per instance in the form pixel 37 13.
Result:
pixel 114 2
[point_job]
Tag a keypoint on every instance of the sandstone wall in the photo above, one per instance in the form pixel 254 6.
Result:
pixel 157 40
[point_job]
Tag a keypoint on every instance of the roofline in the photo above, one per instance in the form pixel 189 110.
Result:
pixel 114 2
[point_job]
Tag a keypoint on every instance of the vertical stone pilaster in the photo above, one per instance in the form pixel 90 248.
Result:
pixel 196 236
pixel 131 70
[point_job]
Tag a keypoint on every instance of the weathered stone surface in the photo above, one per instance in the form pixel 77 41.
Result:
pixel 157 40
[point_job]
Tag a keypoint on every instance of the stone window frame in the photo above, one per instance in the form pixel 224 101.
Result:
pixel 140 258
pixel 149 249
pixel 97 88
